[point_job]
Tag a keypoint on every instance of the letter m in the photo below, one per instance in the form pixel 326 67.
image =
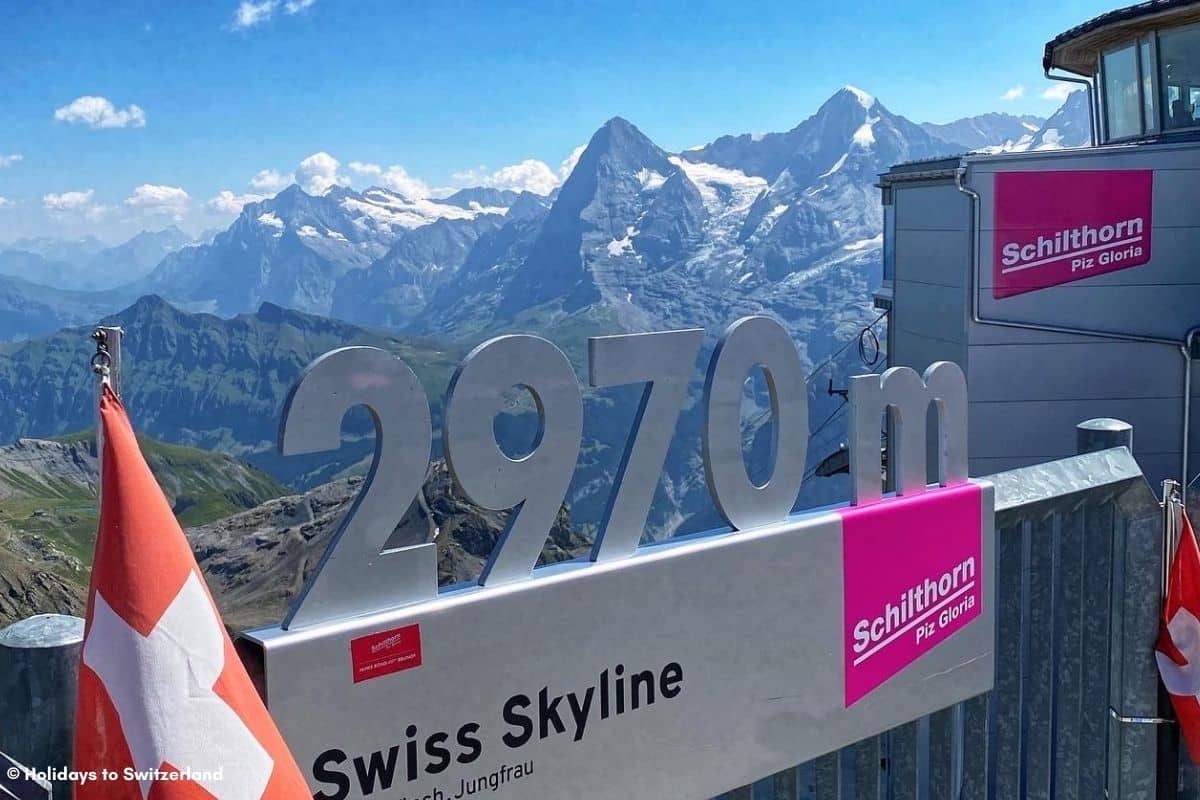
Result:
pixel 905 397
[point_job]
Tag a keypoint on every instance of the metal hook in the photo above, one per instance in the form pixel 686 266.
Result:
pixel 102 360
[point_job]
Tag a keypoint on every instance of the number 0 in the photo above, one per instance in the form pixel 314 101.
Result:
pixel 746 343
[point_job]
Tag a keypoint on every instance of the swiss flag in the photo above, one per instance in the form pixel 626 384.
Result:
pixel 164 706
pixel 1178 648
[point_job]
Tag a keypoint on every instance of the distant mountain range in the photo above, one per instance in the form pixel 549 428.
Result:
pixel 987 131
pixel 86 264
pixel 637 238
pixel 198 380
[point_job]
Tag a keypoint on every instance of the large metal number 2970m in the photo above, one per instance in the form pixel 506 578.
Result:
pixel 364 569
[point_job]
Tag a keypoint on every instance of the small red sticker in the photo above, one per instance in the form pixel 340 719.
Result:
pixel 385 652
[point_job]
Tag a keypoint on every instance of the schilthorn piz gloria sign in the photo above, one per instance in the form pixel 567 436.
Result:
pixel 681 669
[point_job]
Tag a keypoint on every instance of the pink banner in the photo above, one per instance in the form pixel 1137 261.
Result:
pixel 1056 227
pixel 913 570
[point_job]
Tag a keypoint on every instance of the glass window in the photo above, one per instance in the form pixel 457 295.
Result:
pixel 1149 116
pixel 1179 79
pixel 1123 112
pixel 889 242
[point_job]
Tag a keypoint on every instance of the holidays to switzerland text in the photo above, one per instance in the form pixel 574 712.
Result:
pixel 127 775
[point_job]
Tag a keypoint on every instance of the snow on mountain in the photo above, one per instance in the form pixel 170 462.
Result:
pixel 635 235
pixel 994 132
pixel 293 248
pixel 1069 126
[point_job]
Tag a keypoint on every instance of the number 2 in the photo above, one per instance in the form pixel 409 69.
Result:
pixel 355 575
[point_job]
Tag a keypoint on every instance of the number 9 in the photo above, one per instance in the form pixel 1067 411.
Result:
pixel 536 484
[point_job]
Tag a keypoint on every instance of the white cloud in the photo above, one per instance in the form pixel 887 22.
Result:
pixel 5 202
pixel 318 173
pixel 529 175
pixel 249 13
pixel 1014 93
pixel 1059 91
pixel 8 161
pixel 395 177
pixel 270 182
pixel 226 202
pixel 77 202
pixel 68 201
pixel 99 112
pixel 568 165
pixel 366 170
pixel 158 199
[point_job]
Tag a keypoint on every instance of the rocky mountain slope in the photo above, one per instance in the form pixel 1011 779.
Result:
pixel 257 561
pixel 48 511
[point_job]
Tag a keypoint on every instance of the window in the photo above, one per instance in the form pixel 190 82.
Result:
pixel 1123 112
pixel 1179 79
pixel 1146 62
pixel 889 242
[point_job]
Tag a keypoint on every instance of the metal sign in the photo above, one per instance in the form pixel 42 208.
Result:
pixel 1056 227
pixel 676 670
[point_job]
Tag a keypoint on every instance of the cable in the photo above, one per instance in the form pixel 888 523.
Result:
pixel 869 327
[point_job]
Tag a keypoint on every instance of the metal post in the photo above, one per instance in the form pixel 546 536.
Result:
pixel 39 660
pixel 106 364
pixel 1102 433
pixel 1168 735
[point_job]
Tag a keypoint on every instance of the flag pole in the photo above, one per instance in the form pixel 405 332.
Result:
pixel 1172 527
pixel 106 365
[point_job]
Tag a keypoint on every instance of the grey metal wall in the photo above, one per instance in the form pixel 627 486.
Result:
pixel 929 290
pixel 1078 582
pixel 1028 388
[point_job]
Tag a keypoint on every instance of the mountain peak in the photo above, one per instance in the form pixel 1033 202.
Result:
pixel 865 99
pixel 618 123
pixel 620 140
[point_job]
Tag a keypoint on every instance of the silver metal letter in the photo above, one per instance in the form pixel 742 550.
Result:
pixel 664 362
pixel 535 484
pixel 355 575
pixel 746 343
pixel 906 397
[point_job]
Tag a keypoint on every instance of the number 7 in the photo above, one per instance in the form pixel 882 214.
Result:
pixel 664 361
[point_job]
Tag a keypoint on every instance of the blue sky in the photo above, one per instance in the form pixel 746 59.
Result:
pixel 205 96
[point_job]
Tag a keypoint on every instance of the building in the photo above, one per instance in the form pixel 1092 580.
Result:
pixel 1066 283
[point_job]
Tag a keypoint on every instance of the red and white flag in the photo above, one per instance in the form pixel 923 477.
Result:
pixel 166 711
pixel 1178 648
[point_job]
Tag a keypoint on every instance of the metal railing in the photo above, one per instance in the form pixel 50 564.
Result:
pixel 1075 710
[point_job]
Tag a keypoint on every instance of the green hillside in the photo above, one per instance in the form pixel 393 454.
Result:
pixel 48 503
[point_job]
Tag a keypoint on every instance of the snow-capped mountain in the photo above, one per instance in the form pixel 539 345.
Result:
pixel 636 236
pixel 644 238
pixel 996 131
pixel 1070 126
pixel 293 248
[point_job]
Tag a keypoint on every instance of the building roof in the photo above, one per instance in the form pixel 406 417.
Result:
pixel 1076 50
